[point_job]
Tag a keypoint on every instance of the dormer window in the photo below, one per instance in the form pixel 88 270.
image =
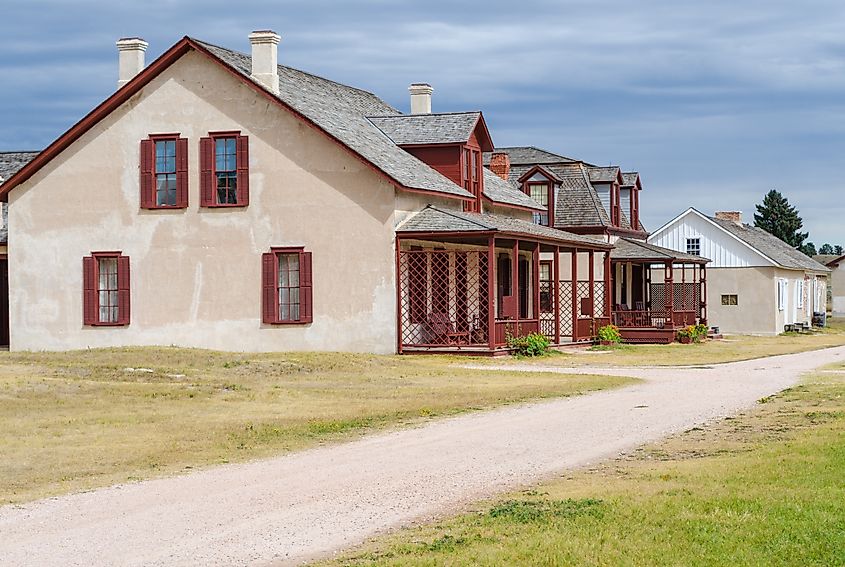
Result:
pixel 540 192
pixel 615 206
pixel 471 177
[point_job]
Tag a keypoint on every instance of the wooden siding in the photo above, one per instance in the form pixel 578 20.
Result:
pixel 723 249
pixel 445 159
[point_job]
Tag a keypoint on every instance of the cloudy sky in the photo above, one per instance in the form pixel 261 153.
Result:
pixel 713 102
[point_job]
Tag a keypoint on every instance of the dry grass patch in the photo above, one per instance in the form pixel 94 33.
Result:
pixel 762 488
pixel 78 420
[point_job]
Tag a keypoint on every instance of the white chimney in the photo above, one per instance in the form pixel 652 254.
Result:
pixel 265 58
pixel 131 58
pixel 420 98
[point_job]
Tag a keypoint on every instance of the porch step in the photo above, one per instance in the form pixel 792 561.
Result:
pixel 647 335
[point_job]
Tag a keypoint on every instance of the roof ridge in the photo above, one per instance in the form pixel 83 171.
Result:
pixel 20 151
pixel 422 115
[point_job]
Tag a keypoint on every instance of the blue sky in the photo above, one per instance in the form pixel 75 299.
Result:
pixel 713 102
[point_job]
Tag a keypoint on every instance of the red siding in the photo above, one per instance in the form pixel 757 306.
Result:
pixel 445 159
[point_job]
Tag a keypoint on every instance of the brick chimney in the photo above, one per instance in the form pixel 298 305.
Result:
pixel 500 164
pixel 733 216
pixel 420 98
pixel 130 58
pixel 265 58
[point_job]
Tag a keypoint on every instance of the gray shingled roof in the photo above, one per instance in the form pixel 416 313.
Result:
pixel 500 191
pixel 771 246
pixel 577 203
pixel 528 155
pixel 628 249
pixel 341 111
pixel 827 259
pixel 433 219
pixel 441 128
pixel 11 162
pixel 603 174
pixel 629 179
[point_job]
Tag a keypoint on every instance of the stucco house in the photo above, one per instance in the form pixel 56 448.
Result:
pixel 654 291
pixel 220 200
pixel 756 283
pixel 836 281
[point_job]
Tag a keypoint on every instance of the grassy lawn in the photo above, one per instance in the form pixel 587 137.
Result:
pixel 730 349
pixel 763 488
pixel 77 420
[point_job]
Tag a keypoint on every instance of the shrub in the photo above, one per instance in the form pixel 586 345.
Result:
pixel 609 334
pixel 533 344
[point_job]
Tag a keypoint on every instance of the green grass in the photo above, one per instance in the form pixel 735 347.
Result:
pixel 763 488
pixel 78 420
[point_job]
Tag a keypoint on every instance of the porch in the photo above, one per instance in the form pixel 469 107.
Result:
pixel 466 290
pixel 656 291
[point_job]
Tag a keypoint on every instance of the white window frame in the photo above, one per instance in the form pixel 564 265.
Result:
pixel 697 240
pixel 799 293
pixel 783 286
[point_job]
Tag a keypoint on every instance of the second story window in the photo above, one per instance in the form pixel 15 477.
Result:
pixel 471 177
pixel 540 193
pixel 694 246
pixel 224 170
pixel 164 172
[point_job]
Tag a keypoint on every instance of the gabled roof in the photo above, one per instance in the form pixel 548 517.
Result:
pixel 545 172
pixel 829 260
pixel 440 128
pixel 607 174
pixel 12 162
pixel 770 246
pixel 337 110
pixel 529 155
pixel 577 203
pixel 434 219
pixel 630 178
pixel 628 249
pixel 500 191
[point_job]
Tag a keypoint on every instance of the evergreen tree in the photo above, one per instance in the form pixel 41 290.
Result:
pixel 809 249
pixel 776 216
pixel 837 249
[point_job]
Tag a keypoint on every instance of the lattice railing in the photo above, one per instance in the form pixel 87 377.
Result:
pixel 685 296
pixel 443 297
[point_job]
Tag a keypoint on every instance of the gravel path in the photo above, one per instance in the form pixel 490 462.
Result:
pixel 310 504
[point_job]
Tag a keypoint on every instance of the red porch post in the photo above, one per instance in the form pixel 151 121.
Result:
pixel 608 298
pixel 574 295
pixel 398 298
pixel 669 288
pixel 491 292
pixel 535 281
pixel 515 285
pixel 704 294
pixel 556 288
pixel 591 257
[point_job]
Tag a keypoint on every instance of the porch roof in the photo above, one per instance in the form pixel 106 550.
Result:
pixel 636 250
pixel 433 220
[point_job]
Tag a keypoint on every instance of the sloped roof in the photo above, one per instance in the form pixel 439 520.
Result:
pixel 11 162
pixel 770 246
pixel 828 259
pixel 578 204
pixel 441 128
pixel 342 112
pixel 434 219
pixel 628 249
pixel 529 155
pixel 603 174
pixel 629 178
pixel 500 191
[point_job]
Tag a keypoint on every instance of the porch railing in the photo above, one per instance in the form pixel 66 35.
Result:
pixel 656 319
pixel 505 327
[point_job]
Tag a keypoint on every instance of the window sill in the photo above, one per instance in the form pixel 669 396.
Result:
pixel 225 206
pixel 275 323
pixel 165 208
pixel 107 325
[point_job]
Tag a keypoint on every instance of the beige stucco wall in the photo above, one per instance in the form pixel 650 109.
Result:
pixel 837 283
pixel 196 272
pixel 756 293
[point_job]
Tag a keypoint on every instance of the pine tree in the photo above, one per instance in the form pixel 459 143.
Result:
pixel 776 216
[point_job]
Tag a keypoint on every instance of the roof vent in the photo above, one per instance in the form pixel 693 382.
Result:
pixel 420 98
pixel 265 58
pixel 733 216
pixel 130 58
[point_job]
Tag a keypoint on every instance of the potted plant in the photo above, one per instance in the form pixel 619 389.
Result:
pixel 685 335
pixel 609 335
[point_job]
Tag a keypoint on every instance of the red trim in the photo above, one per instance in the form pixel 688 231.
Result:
pixel 535 169
pixel 509 205
pixel 270 279
pixel 142 79
pixel 148 171
pixel 91 296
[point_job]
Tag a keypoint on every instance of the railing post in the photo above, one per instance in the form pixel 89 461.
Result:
pixel 608 299
pixel 556 288
pixel 535 282
pixel 591 257
pixel 398 297
pixel 515 285
pixel 574 295
pixel 669 286
pixel 491 292
pixel 704 294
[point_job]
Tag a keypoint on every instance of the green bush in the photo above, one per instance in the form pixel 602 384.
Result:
pixel 533 344
pixel 610 334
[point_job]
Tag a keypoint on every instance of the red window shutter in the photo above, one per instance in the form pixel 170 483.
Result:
pixel 306 301
pixel 243 170
pixel 182 172
pixel 206 172
pixel 89 291
pixel 123 299
pixel 147 174
pixel 269 297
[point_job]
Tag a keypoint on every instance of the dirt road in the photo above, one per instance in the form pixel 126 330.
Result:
pixel 313 503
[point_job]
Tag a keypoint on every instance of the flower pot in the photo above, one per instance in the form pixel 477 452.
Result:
pixel 606 343
pixel 685 340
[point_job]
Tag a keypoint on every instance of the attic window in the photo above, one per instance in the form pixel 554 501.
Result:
pixel 694 246
pixel 540 192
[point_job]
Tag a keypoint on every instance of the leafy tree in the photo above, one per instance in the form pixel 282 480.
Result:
pixel 809 249
pixel 826 249
pixel 776 216
pixel 837 249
